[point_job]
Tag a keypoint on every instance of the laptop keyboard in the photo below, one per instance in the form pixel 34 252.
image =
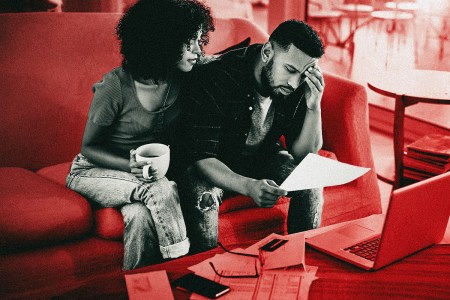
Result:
pixel 367 249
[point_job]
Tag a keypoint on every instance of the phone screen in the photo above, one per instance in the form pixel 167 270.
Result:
pixel 200 285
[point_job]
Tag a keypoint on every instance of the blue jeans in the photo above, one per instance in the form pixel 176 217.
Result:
pixel 154 224
pixel 305 207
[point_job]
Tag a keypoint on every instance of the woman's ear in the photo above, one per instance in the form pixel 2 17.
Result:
pixel 267 52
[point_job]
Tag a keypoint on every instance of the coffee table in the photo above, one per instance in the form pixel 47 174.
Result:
pixel 422 276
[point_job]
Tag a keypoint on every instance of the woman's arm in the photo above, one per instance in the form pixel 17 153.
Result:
pixel 94 148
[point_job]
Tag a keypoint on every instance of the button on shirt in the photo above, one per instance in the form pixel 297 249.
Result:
pixel 262 119
pixel 218 104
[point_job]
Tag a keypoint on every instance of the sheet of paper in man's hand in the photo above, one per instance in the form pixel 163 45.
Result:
pixel 315 171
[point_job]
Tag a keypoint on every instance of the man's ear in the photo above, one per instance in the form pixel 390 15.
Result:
pixel 267 52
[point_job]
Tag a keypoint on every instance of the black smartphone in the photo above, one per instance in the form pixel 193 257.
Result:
pixel 200 285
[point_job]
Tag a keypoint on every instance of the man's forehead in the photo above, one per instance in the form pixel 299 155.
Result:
pixel 297 58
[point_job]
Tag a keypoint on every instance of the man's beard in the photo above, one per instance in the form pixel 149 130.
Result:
pixel 268 82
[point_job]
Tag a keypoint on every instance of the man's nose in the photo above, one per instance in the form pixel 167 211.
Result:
pixel 294 81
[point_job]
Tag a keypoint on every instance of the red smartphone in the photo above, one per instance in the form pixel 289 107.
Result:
pixel 200 285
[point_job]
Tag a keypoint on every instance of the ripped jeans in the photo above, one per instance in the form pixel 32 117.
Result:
pixel 305 207
pixel 154 224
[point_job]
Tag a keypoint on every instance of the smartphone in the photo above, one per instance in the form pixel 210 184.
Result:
pixel 200 285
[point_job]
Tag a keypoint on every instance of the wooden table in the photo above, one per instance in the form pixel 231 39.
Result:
pixel 424 275
pixel 409 87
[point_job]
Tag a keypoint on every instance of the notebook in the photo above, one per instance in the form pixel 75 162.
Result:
pixel 416 218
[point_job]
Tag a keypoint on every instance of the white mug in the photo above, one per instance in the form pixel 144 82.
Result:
pixel 158 154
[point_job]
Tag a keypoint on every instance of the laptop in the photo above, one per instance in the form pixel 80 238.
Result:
pixel 416 218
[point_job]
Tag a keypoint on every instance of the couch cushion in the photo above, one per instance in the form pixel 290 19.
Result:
pixel 35 211
pixel 64 271
pixel 252 223
pixel 108 222
pixel 240 202
pixel 56 173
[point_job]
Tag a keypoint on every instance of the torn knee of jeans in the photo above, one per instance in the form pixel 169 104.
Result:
pixel 207 201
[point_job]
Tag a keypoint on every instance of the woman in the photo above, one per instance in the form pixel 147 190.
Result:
pixel 136 104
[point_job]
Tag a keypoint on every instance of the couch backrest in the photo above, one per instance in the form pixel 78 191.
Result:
pixel 233 31
pixel 49 62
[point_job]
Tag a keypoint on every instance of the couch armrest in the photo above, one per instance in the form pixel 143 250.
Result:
pixel 345 121
pixel 346 129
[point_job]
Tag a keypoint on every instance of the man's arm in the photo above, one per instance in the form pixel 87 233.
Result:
pixel 264 192
pixel 310 138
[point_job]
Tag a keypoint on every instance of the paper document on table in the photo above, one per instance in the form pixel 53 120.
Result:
pixel 446 239
pixel 289 254
pixel 315 171
pixel 227 262
pixel 284 274
pixel 289 284
pixel 149 285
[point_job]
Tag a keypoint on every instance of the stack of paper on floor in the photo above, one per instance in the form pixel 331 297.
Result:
pixel 427 157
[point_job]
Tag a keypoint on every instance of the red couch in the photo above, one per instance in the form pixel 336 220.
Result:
pixel 51 240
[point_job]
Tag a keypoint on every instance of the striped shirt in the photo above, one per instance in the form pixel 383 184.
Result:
pixel 218 102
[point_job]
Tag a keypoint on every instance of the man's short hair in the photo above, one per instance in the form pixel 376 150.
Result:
pixel 301 35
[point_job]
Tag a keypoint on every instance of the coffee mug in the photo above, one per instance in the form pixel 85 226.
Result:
pixel 158 154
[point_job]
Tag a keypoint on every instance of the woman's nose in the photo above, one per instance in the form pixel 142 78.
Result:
pixel 196 49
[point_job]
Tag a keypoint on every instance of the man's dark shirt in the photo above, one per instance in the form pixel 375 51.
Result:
pixel 218 102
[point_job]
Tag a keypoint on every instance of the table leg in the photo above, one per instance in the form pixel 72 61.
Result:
pixel 399 118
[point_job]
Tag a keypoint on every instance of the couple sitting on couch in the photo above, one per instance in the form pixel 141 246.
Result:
pixel 223 122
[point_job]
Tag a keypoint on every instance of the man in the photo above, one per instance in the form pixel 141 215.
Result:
pixel 237 108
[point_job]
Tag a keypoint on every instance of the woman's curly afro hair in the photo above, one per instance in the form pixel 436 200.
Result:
pixel 153 33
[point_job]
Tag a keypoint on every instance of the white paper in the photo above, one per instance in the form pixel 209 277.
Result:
pixel 291 282
pixel 149 285
pixel 290 254
pixel 316 171
pixel 286 284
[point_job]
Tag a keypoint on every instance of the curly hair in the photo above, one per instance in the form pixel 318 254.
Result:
pixel 153 33
pixel 301 35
